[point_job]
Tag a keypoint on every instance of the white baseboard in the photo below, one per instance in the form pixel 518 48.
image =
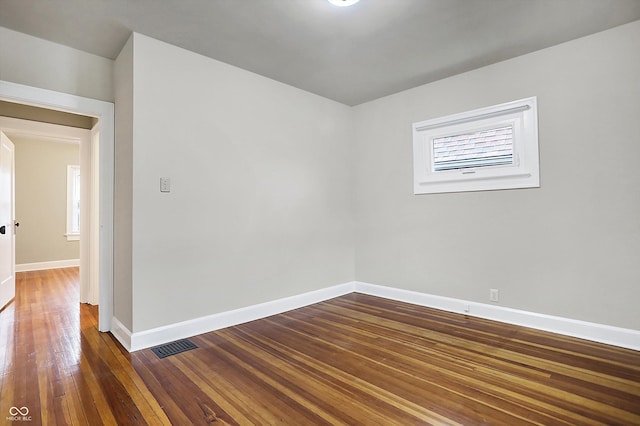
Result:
pixel 41 266
pixel 616 336
pixel 122 333
pixel 157 336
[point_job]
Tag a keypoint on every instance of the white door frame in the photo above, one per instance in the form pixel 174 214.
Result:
pixel 104 112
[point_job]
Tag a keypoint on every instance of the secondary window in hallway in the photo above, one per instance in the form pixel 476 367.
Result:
pixel 73 203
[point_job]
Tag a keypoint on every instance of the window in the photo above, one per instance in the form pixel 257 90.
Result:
pixel 73 203
pixel 485 149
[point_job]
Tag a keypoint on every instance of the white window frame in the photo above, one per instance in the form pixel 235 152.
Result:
pixel 524 172
pixel 73 202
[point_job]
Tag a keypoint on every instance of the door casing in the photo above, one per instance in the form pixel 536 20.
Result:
pixel 104 113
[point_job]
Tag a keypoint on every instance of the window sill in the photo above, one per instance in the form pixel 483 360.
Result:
pixel 72 237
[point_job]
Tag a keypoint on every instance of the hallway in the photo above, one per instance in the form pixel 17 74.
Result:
pixel 54 362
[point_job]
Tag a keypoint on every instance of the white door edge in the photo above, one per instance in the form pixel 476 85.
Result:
pixel 7 220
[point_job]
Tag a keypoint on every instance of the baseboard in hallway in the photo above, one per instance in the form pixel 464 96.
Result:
pixel 41 266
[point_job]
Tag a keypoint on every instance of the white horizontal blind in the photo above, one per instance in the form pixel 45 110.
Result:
pixel 483 148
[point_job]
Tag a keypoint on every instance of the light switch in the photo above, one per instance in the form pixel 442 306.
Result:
pixel 165 184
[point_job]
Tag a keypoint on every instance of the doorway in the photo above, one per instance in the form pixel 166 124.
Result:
pixel 56 232
pixel 103 113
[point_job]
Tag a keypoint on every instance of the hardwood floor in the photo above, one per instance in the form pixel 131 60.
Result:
pixel 54 361
pixel 356 360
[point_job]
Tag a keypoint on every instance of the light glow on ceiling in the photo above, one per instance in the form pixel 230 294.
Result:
pixel 343 3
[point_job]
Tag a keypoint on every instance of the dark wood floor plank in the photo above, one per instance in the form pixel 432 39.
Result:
pixel 159 380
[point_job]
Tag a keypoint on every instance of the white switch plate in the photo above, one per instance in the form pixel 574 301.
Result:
pixel 165 184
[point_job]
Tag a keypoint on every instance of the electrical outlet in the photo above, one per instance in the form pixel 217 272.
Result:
pixel 494 296
pixel 467 308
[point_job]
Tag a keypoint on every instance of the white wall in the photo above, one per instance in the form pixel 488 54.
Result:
pixel 32 61
pixel 41 199
pixel 570 248
pixel 260 201
pixel 123 187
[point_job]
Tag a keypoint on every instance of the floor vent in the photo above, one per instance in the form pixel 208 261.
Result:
pixel 173 348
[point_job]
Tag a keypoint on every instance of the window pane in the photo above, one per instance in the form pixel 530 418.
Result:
pixel 75 218
pixel 491 147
